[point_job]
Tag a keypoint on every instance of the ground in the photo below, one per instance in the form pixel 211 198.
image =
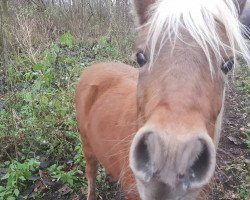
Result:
pixel 233 164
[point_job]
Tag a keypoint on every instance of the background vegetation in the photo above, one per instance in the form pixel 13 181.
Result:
pixel 44 47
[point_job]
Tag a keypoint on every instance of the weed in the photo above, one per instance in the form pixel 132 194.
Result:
pixel 106 47
pixel 243 168
pixel 57 173
pixel 67 39
pixel 243 193
pixel 37 113
pixel 100 180
pixel 16 176
pixel 247 137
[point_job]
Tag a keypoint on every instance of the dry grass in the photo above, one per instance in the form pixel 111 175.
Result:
pixel 29 26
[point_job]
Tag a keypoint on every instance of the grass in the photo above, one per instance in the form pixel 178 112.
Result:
pixel 243 168
pixel 243 85
pixel 38 125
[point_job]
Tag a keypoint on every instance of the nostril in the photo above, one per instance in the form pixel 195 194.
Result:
pixel 145 154
pixel 141 153
pixel 201 164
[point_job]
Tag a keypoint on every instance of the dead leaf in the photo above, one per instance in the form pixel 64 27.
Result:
pixel 84 190
pixel 76 197
pixel 234 140
pixel 64 190
pixel 46 179
pixel 39 186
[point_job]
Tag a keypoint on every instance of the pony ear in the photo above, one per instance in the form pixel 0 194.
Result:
pixel 241 5
pixel 141 8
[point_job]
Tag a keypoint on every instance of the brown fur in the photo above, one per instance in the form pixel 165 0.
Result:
pixel 141 9
pixel 112 122
pixel 107 115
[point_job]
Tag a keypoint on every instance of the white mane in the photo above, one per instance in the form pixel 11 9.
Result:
pixel 200 18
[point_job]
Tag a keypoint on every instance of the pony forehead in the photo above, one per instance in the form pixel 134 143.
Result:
pixel 200 19
pixel 181 5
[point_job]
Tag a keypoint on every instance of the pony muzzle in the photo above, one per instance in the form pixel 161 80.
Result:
pixel 182 162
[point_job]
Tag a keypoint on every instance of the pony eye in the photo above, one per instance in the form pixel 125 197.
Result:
pixel 141 58
pixel 227 66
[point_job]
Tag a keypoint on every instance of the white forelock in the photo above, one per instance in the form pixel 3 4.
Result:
pixel 201 19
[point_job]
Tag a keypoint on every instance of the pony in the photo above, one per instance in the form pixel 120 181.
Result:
pixel 155 129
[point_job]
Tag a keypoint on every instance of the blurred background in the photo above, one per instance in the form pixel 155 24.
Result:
pixel 44 47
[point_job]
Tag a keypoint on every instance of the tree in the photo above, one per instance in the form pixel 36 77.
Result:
pixel 3 9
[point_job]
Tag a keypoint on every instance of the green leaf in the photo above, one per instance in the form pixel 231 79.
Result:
pixel 2 188
pixel 16 192
pixel 6 163
pixel 2 194
pixel 70 181
pixel 6 176
pixel 38 66
pixel 55 48
pixel 67 39
pixel 11 198
pixel 22 178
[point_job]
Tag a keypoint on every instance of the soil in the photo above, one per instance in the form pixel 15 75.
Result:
pixel 232 158
pixel 232 153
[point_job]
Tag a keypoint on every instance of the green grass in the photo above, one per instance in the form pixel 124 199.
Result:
pixel 37 114
pixel 243 85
